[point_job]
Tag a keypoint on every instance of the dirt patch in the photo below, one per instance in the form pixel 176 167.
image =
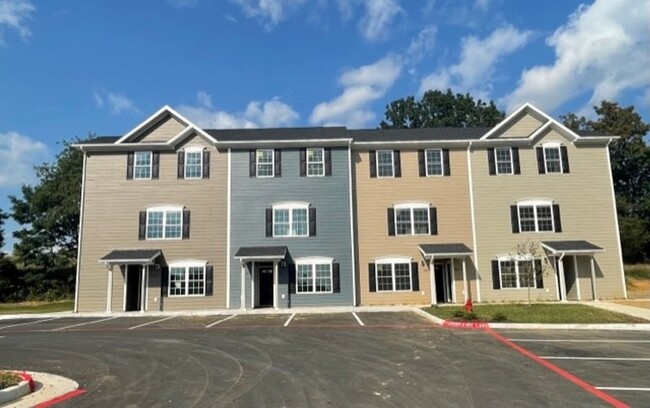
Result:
pixel 638 288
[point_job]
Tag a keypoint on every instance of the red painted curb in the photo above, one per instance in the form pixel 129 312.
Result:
pixel 29 379
pixel 566 375
pixel 60 398
pixel 465 325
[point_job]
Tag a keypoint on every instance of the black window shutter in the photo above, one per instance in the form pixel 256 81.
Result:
pixel 303 162
pixel 164 279
pixel 565 159
pixel 541 169
pixel 446 166
pixel 516 167
pixel 372 283
pixel 181 165
pixel 514 219
pixel 278 162
pixel 328 162
pixel 422 165
pixel 492 167
pixel 391 222
pixel 312 221
pixel 433 221
pixel 269 222
pixel 252 163
pixel 292 278
pixel 186 224
pixel 209 280
pixel 397 163
pixel 206 164
pixel 415 278
pixel 336 278
pixel 129 166
pixel 155 165
pixel 556 218
pixel 373 163
pixel 496 281
pixel 539 274
pixel 142 230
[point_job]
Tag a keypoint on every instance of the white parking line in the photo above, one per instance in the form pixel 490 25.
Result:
pixel 21 324
pixel 623 389
pixel 148 323
pixel 576 341
pixel 220 321
pixel 289 320
pixel 596 358
pixel 82 324
pixel 358 320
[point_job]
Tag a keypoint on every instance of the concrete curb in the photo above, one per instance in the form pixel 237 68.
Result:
pixel 17 391
pixel 51 389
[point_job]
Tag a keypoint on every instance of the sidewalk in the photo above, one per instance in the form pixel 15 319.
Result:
pixel 628 310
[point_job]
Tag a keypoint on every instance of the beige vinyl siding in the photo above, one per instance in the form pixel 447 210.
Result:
pixel 523 127
pixel 586 207
pixel 111 210
pixel 162 131
pixel 450 195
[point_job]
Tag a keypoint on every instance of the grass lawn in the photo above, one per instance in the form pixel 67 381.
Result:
pixel 36 307
pixel 537 313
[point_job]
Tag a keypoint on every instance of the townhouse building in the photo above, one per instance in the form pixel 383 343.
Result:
pixel 175 217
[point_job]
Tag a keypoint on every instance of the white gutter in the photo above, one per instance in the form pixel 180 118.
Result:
pixel 618 233
pixel 79 234
pixel 228 200
pixel 472 211
pixel 352 246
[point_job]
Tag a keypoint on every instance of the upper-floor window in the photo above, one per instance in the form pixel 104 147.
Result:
pixel 315 162
pixel 164 223
pixel 291 220
pixel 142 166
pixel 434 162
pixel 314 275
pixel 187 279
pixel 412 219
pixel 503 160
pixel 517 272
pixel 552 158
pixel 385 163
pixel 535 216
pixel 194 163
pixel 265 163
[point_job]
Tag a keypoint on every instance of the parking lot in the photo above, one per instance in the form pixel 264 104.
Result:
pixel 364 359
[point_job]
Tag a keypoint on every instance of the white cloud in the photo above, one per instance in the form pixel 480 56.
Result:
pixel 474 72
pixel 362 86
pixel 18 156
pixel 482 5
pixel 116 103
pixel 267 114
pixel 379 15
pixel 422 44
pixel 602 50
pixel 268 12
pixel 14 14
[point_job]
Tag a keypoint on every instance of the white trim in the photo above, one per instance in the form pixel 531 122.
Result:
pixel 426 163
pixel 164 211
pixel 259 258
pixel 305 260
pixel 146 288
pixel 535 205
pixel 242 289
pixel 228 210
pixel 392 261
pixel 143 288
pixel 560 271
pixel 135 165
pixel 352 237
pixel 432 281
pixel 153 118
pixel 411 207
pixel 411 204
pixel 126 279
pixel 473 216
pixel 80 234
pixel 496 162
pixel 516 259
pixel 392 162
pixel 452 273
pixel 618 232
pixel 577 274
pixel 315 162
pixel 254 272
pixel 284 205
pixel 275 284
pixel 312 262
pixel 186 265
pixel 290 207
pixel 552 145
pixel 109 292
pixel 187 151
pixel 257 164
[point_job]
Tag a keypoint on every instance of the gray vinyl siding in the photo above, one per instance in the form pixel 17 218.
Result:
pixel 330 195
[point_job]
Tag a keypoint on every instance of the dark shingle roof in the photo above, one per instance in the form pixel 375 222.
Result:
pixel 131 255
pixel 591 133
pixel 262 252
pixel 238 135
pixel 390 135
pixel 571 246
pixel 445 249
pixel 101 139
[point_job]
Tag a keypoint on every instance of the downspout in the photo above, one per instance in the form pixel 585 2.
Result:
pixel 228 199
pixel 618 233
pixel 80 234
pixel 472 211
pixel 560 272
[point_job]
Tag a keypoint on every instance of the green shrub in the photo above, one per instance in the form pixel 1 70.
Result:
pixel 470 316
pixel 459 314
pixel 8 379
pixel 640 271
pixel 499 317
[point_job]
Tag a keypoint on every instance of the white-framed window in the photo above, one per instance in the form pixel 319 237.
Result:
pixel 535 216
pixel 193 163
pixel 186 279
pixel 517 272
pixel 314 275
pixel 393 274
pixel 291 220
pixel 142 165
pixel 434 162
pixel 503 160
pixel 385 163
pixel 552 158
pixel 412 219
pixel 265 162
pixel 315 162
pixel 164 223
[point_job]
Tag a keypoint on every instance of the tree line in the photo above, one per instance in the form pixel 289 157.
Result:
pixel 43 262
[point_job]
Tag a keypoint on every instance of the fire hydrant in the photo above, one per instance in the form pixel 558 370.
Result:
pixel 468 305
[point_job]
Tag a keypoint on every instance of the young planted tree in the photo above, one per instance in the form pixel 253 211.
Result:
pixel 531 263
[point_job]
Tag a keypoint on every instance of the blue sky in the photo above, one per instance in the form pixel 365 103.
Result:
pixel 68 68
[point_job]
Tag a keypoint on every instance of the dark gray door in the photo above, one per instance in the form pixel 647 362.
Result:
pixel 133 288
pixel 265 285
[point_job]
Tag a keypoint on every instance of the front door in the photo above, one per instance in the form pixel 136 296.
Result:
pixel 133 289
pixel 265 272
pixel 443 282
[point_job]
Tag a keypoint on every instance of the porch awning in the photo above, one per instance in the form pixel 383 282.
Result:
pixel 131 256
pixel 261 253
pixel 571 247
pixel 438 250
